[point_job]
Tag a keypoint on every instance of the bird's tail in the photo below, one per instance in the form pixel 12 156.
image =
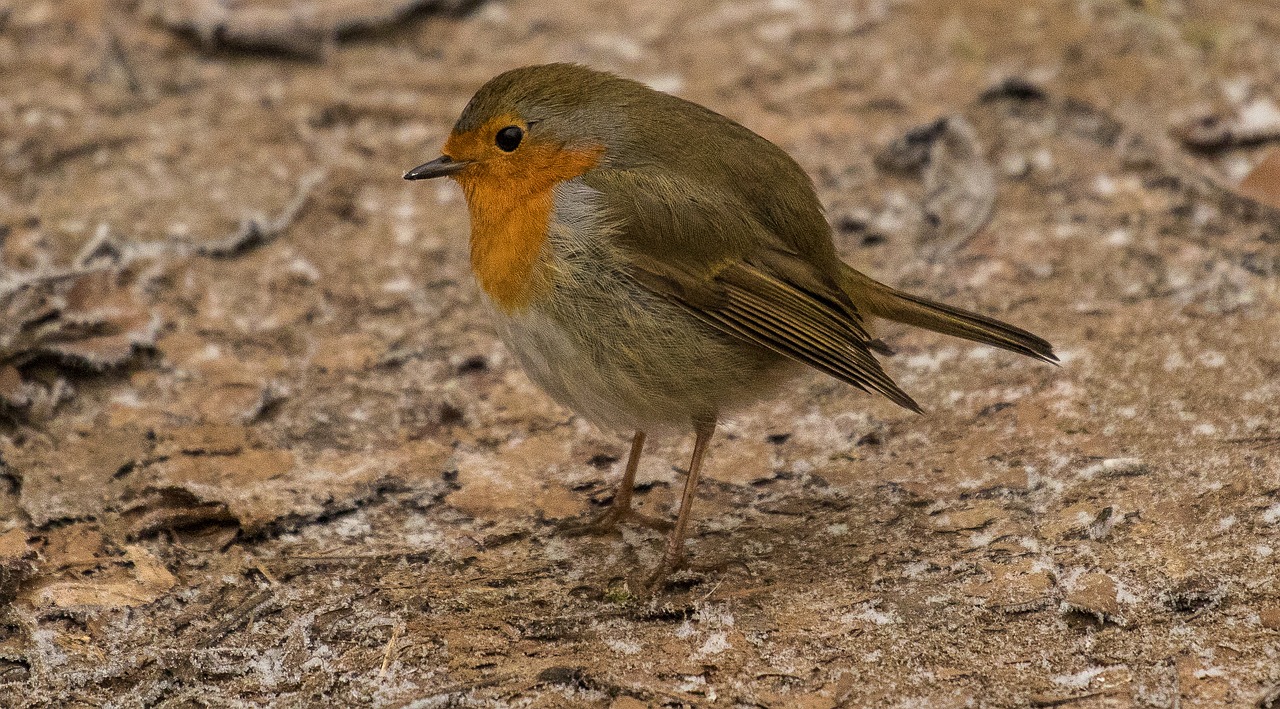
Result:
pixel 882 301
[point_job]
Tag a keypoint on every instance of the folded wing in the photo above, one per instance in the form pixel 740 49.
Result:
pixel 691 245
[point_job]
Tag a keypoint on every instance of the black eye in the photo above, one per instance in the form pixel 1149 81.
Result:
pixel 509 138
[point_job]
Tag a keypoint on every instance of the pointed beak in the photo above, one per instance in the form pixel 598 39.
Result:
pixel 440 167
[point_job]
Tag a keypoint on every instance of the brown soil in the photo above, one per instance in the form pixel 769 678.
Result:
pixel 321 481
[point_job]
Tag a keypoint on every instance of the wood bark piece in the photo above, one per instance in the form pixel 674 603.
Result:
pixel 299 29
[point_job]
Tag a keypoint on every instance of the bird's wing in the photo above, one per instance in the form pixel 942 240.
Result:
pixel 689 243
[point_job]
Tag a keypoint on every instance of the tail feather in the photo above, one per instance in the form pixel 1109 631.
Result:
pixel 882 301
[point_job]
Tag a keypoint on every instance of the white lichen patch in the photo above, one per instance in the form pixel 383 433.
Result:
pixel 1078 680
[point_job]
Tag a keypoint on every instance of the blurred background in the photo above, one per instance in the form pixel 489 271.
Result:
pixel 259 445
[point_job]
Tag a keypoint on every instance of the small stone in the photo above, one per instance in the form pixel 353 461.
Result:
pixel 1123 467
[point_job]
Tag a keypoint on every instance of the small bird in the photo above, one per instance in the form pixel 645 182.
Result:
pixel 654 265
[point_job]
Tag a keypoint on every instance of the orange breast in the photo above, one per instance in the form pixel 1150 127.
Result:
pixel 510 199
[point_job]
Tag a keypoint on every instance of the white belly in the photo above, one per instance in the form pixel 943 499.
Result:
pixel 616 353
pixel 565 369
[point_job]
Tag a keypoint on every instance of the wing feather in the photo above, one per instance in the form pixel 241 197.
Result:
pixel 730 271
pixel 809 335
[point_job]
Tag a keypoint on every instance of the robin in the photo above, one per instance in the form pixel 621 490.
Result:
pixel 654 265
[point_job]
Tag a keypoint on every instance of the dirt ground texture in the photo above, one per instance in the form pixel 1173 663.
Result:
pixel 261 448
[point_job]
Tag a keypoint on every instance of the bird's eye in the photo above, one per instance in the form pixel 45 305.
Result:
pixel 509 138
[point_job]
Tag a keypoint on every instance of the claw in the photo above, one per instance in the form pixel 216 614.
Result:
pixel 607 522
pixel 655 581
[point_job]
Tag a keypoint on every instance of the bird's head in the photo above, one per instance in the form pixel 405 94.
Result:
pixel 529 128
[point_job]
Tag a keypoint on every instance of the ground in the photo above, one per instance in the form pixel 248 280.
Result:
pixel 287 463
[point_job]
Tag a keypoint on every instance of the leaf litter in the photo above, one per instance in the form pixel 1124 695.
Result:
pixel 298 469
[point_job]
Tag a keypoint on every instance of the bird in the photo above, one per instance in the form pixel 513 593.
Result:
pixel 655 266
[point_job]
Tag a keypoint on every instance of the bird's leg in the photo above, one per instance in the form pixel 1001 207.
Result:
pixel 620 509
pixel 621 505
pixel 673 554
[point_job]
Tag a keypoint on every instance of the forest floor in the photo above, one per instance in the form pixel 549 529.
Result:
pixel 261 447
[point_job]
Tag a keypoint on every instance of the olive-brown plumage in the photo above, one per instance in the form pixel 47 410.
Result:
pixel 652 263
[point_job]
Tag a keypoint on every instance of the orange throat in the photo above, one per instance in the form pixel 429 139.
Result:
pixel 510 201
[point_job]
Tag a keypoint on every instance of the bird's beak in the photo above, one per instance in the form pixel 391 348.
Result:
pixel 440 167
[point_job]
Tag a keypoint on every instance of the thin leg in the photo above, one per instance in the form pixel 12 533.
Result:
pixel 620 509
pixel 673 554
pixel 622 499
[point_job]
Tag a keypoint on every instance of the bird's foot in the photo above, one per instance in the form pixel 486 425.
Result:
pixel 607 522
pixel 656 580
